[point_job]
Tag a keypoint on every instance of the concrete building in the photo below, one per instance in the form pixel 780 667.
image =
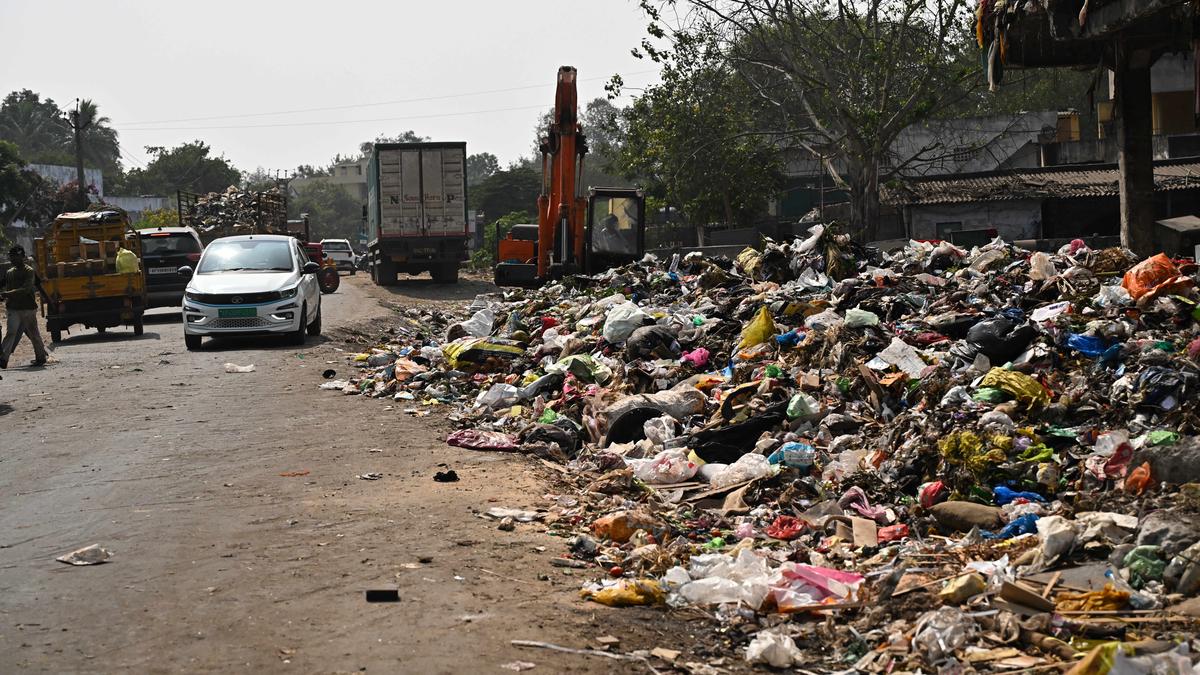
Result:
pixel 350 176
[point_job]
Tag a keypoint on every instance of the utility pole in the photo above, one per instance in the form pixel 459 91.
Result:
pixel 78 128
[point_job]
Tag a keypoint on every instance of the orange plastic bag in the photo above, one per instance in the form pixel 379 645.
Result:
pixel 1148 275
pixel 1139 479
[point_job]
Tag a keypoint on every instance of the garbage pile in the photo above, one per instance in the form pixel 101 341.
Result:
pixel 235 211
pixel 981 460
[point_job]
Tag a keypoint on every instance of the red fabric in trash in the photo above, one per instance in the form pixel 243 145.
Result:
pixel 893 532
pixel 786 527
pixel 1156 273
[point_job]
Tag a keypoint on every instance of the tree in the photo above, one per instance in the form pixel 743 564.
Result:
pixel 309 171
pixel 840 80
pixel 481 166
pixel 187 167
pixel 24 195
pixel 37 127
pixel 409 136
pixel 157 218
pixel 101 148
pixel 485 256
pixel 506 191
pixel 258 180
pixel 698 146
pixel 332 212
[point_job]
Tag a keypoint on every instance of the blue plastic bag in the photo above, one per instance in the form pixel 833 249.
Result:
pixel 797 455
pixel 1026 524
pixel 1003 495
pixel 1087 345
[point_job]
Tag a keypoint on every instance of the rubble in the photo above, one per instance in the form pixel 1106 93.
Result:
pixel 975 460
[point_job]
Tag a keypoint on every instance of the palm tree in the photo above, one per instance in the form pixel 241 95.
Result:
pixel 101 149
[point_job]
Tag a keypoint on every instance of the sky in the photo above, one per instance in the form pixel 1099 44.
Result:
pixel 246 77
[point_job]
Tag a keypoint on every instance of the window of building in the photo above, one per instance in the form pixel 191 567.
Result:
pixel 359 168
pixel 963 155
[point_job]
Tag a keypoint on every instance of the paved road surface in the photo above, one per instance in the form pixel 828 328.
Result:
pixel 222 563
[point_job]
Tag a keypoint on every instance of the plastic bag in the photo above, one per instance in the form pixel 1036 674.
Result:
pixel 1112 296
pixel 786 528
pixel 941 632
pixel 477 439
pixel 1087 345
pixel 697 357
pixel 627 593
pixel 584 367
pixel 859 318
pixel 479 325
pixel 1022 387
pixel 1148 275
pixel 127 262
pixel 621 321
pixel 904 357
pixel 747 467
pixel 659 430
pixel 480 352
pixel 1057 536
pixel 802 406
pixel 498 396
pixel 774 649
pixel 797 585
pixel 1138 479
pixel 1041 267
pixel 665 468
pixel 760 329
pixel 796 455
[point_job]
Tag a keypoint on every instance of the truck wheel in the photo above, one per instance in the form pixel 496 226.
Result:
pixel 385 273
pixel 192 342
pixel 445 274
pixel 353 271
pixel 139 326
pixel 101 329
pixel 55 335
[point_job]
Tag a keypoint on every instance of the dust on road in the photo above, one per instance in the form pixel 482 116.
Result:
pixel 221 562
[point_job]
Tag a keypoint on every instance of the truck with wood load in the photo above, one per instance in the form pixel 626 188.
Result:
pixel 416 210
pixel 88 264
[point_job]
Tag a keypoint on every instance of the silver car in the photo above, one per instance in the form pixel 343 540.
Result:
pixel 252 285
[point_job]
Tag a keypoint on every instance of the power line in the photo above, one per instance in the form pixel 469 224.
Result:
pixel 336 122
pixel 367 105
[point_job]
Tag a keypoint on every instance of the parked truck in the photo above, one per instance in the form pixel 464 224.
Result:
pixel 416 210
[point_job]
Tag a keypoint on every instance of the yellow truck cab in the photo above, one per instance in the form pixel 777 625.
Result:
pixel 85 277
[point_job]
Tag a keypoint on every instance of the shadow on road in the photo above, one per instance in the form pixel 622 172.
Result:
pixel 5 409
pixel 167 317
pixel 427 289
pixel 260 342
pixel 120 334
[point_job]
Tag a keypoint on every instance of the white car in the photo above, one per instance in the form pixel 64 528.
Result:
pixel 252 285
pixel 340 251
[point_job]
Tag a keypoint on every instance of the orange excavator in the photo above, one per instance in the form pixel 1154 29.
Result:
pixel 574 234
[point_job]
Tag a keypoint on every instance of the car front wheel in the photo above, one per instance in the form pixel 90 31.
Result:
pixel 297 336
pixel 314 328
pixel 192 342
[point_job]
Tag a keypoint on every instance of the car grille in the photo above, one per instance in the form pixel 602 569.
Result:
pixel 228 298
pixel 239 322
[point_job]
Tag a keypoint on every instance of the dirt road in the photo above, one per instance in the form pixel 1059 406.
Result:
pixel 243 539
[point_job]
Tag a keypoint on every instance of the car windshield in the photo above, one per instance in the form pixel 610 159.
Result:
pixel 249 255
pixel 166 244
pixel 335 246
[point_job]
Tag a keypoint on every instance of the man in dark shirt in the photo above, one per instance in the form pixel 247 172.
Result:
pixel 21 305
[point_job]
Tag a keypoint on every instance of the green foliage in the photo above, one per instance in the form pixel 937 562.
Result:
pixel 364 148
pixel 188 167
pixel 332 212
pixel 480 167
pixel 485 258
pixel 157 218
pixel 41 130
pixel 698 146
pixel 24 195
pixel 515 189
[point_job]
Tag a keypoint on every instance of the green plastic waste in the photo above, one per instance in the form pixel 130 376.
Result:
pixel 802 405
pixel 991 395
pixel 548 416
pixel 1162 437
pixel 1145 563
pixel 1037 453
pixel 774 371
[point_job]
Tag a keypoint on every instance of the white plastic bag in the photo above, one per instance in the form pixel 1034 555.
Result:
pixel 774 649
pixel 859 318
pixel 659 430
pixel 747 467
pixel 1041 267
pixel 621 321
pixel 665 468
pixel 498 396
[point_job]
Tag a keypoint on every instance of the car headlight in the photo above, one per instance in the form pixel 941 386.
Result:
pixel 190 295
pixel 288 293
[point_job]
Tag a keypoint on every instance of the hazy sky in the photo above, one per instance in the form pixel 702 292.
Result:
pixel 254 70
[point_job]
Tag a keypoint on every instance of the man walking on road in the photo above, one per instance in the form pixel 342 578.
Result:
pixel 22 309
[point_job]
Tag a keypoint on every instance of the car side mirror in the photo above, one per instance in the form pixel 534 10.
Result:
pixel 311 267
pixel 185 271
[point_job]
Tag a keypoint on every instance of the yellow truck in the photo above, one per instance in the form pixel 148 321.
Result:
pixel 88 274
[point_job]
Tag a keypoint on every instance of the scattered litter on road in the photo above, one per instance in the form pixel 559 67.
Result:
pixel 294 474
pixel 235 368
pixel 369 476
pixel 88 555
pixel 450 476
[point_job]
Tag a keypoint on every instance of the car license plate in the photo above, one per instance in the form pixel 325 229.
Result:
pixel 163 270
pixel 237 311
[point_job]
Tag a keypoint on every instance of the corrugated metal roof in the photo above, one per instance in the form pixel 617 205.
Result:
pixel 1059 182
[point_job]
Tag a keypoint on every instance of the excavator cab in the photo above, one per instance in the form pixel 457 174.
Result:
pixel 615 235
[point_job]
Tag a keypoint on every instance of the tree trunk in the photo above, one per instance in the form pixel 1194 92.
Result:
pixel 864 202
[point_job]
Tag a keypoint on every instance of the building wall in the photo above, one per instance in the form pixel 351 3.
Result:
pixel 1012 219
pixel 136 206
pixel 66 174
